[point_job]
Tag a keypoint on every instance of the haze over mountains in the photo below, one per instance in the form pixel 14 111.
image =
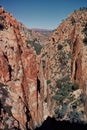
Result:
pixel 43 74
pixel 43 31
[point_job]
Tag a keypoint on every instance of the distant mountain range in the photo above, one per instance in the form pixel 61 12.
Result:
pixel 43 31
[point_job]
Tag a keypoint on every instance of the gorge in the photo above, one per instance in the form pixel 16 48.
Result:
pixel 42 76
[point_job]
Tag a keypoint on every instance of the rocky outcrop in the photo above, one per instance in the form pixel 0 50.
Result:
pixel 34 86
pixel 18 77
pixel 64 61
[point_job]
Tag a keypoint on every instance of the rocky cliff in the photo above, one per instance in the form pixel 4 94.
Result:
pixel 36 85
pixel 18 77
pixel 63 65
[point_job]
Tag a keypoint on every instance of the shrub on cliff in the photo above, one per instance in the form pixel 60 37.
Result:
pixel 60 47
pixel 64 89
pixel 2 18
pixel 2 26
pixel 73 20
pixel 85 40
pixel 75 116
pixel 83 8
pixel 63 96
pixel 36 45
pixel 48 81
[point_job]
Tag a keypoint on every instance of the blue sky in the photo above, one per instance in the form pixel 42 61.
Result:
pixel 42 13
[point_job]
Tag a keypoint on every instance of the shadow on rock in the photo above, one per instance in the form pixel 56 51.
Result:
pixel 52 124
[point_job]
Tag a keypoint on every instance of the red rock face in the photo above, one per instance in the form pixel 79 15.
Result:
pixel 65 57
pixel 27 81
pixel 4 68
pixel 18 72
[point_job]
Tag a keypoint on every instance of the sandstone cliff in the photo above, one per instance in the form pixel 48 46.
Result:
pixel 63 65
pixel 34 86
pixel 18 77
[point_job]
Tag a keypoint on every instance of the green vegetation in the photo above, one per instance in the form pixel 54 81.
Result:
pixel 60 47
pixel 75 116
pixel 73 20
pixel 2 27
pixel 44 54
pixel 64 92
pixel 48 81
pixel 61 113
pixel 2 18
pixel 75 86
pixel 36 46
pixel 62 82
pixel 38 49
pixel 85 32
pixel 64 58
pixel 83 8
pixel 64 89
pixel 85 29
pixel 85 40
pixel 64 96
pixel 7 109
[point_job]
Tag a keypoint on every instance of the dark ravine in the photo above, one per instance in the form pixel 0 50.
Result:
pixel 52 124
pixel 46 89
